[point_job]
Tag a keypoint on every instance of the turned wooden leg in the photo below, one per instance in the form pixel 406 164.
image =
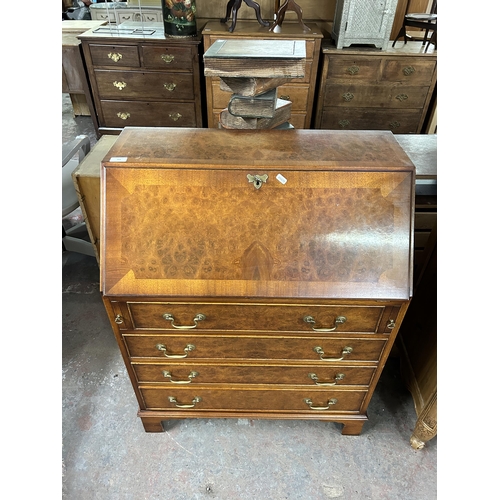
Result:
pixel 152 424
pixel 255 6
pixel 421 434
pixel 352 427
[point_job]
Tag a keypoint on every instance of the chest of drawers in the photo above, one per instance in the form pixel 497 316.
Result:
pixel 301 91
pixel 369 89
pixel 256 274
pixel 143 79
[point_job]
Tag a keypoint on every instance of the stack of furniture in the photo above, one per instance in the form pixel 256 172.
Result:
pixel 241 274
pixel 252 71
pixel 140 78
pixel 299 91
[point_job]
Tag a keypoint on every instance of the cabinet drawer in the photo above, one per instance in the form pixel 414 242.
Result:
pixel 398 121
pixel 148 114
pixel 425 220
pixel 253 317
pixel 326 350
pixel 169 58
pixel 409 71
pixel 375 96
pixel 144 85
pixel 354 68
pixel 174 374
pixel 115 55
pixel 253 399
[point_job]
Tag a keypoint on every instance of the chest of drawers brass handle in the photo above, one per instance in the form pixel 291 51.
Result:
pixel 198 317
pixel 195 400
pixel 402 97
pixel 123 115
pixel 119 319
pixel 115 56
pixel 345 352
pixel 191 376
pixel 348 96
pixel 167 58
pixel 175 116
pixel 120 85
pixel 170 86
pixel 187 349
pixel 352 70
pixel 408 70
pixel 339 320
pixel 338 377
pixel 309 402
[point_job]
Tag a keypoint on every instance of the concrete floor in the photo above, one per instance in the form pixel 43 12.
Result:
pixel 107 455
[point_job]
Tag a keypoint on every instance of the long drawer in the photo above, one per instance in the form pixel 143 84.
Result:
pixel 226 347
pixel 148 114
pixel 208 317
pixel 304 400
pixel 181 373
pixel 144 85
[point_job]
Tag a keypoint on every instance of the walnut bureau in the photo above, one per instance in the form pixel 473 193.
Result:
pixel 301 91
pixel 141 78
pixel 370 89
pixel 256 274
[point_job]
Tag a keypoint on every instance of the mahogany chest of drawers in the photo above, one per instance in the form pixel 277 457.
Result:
pixel 369 89
pixel 141 78
pixel 301 91
pixel 256 274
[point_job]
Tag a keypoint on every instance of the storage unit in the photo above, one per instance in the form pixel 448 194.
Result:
pixel 256 274
pixel 140 78
pixel 118 13
pixel 366 89
pixel 301 91
pixel 362 22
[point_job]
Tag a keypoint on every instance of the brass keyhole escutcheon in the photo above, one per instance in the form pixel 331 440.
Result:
pixel 257 180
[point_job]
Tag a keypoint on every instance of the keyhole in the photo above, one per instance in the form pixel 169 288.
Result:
pixel 257 183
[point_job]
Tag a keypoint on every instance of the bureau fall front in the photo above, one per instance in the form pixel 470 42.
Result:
pixel 256 274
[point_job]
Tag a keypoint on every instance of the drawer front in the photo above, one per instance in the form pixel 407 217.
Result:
pixel 226 347
pixel 118 56
pixel 148 114
pixel 181 373
pixel 398 121
pixel 149 16
pixel 167 58
pixel 321 401
pixel 251 317
pixel 144 85
pixel 425 220
pixel 374 96
pixel 408 71
pixel 354 68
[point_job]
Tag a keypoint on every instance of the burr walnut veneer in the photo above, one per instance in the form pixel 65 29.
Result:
pixel 256 274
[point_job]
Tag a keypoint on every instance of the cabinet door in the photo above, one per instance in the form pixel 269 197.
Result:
pixel 368 19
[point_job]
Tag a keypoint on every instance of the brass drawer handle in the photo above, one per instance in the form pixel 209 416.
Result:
pixel 187 349
pixel 408 70
pixel 394 124
pixel 391 324
pixel 339 320
pixel 167 58
pixel 345 352
pixel 175 116
pixel 198 317
pixel 120 85
pixel 402 97
pixel 285 97
pixel 309 402
pixel 257 180
pixel 339 376
pixel 348 96
pixel 344 123
pixel 353 70
pixel 170 86
pixel 119 319
pixel 191 376
pixel 123 115
pixel 115 56
pixel 196 399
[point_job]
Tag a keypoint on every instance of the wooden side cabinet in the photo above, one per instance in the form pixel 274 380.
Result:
pixel 141 78
pixel 256 274
pixel 369 89
pixel 301 91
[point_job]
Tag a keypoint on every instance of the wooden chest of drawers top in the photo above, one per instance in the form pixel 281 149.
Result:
pixel 272 214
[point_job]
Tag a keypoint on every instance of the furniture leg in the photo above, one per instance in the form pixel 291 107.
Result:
pixel 152 424
pixel 229 7
pixel 255 6
pixel 280 16
pixel 352 427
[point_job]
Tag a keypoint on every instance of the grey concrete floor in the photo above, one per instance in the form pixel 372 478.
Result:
pixel 107 455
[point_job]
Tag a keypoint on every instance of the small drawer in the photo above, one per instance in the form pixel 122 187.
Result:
pixel 167 58
pixel 254 317
pixel 303 400
pixel 298 95
pixel 182 373
pixel 115 55
pixel 144 85
pixel 408 70
pixel 148 114
pixel 353 68
pixel 189 347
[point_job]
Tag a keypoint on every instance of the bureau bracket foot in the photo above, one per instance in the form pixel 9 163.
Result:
pixel 152 424
pixel 352 427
